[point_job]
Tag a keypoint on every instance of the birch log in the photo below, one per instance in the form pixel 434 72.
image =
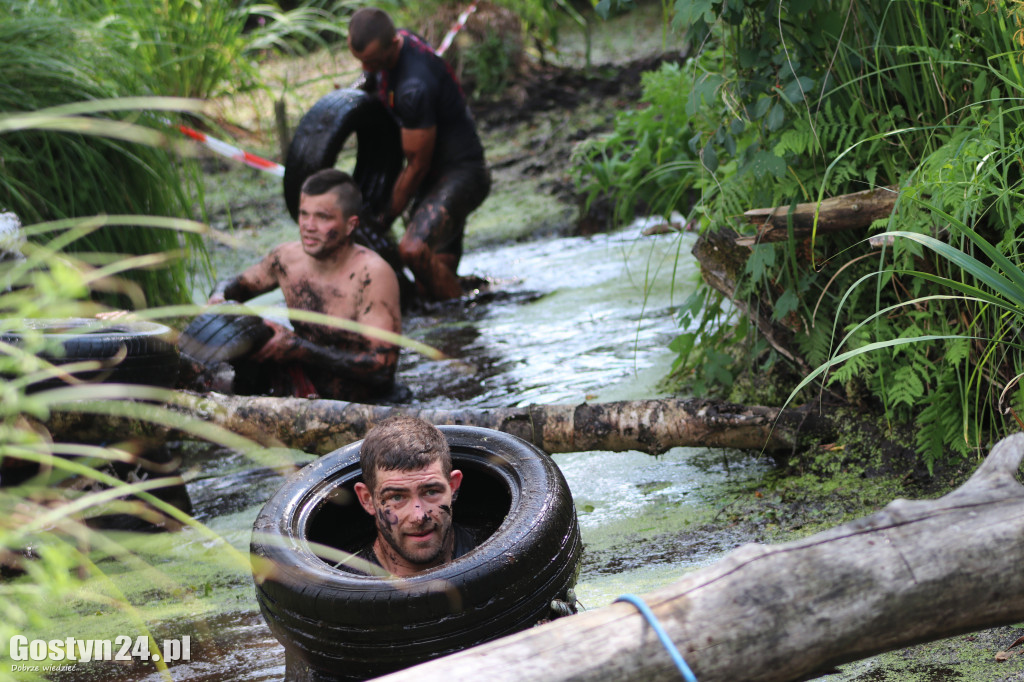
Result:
pixel 913 572
pixel 320 426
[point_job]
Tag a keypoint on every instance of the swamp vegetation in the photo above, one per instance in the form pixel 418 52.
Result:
pixel 742 104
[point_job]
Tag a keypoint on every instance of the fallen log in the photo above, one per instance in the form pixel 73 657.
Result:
pixel 845 212
pixel 320 426
pixel 913 572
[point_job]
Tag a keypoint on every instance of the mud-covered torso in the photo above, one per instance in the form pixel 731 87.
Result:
pixel 345 293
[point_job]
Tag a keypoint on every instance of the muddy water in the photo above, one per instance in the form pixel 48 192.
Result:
pixel 559 320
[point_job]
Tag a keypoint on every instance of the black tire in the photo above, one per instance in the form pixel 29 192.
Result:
pixel 323 131
pixel 149 358
pixel 217 337
pixel 337 625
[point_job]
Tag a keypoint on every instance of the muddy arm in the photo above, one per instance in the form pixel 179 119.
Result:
pixel 366 361
pixel 418 146
pixel 373 365
pixel 257 279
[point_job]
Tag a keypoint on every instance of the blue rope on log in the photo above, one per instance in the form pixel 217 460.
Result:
pixel 677 657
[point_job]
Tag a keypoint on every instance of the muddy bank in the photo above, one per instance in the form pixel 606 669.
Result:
pixel 530 132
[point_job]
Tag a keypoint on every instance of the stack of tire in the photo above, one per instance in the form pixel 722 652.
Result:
pixel 122 351
pixel 338 625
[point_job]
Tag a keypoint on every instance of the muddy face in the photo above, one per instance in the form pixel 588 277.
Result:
pixel 413 516
pixel 323 227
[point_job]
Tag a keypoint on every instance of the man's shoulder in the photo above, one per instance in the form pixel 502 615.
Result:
pixel 418 78
pixel 372 262
pixel 465 540
pixel 282 258
pixel 287 250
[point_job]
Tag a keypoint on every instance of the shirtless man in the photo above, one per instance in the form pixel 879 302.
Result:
pixel 326 272
pixel 408 487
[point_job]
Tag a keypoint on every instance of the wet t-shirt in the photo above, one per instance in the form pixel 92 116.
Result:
pixel 422 92
pixel 464 541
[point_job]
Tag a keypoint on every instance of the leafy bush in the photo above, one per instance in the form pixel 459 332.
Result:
pixel 791 102
pixel 488 65
pixel 48 543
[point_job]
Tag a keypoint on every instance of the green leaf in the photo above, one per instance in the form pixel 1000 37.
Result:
pixel 709 158
pixel 766 163
pixel 785 304
pixel 776 117
pixel 907 386
pixel 797 89
pixel 692 306
pixel 717 367
pixel 761 107
pixel 762 258
pixel 689 12
pixel 703 92
pixel 693 142
pixel 980 86
pixel 957 350
pixel 683 344
pixel 730 145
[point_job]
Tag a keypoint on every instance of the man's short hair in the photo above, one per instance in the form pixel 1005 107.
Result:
pixel 369 24
pixel 350 199
pixel 403 443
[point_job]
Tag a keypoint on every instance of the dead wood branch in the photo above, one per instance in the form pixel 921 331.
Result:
pixel 847 212
pixel 722 265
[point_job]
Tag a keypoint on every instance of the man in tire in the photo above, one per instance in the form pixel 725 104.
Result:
pixel 445 176
pixel 324 272
pixel 408 487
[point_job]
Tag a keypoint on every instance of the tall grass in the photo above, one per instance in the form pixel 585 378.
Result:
pixel 791 102
pixel 61 575
pixel 95 178
pixel 50 551
pixel 960 193
pixel 52 60
pixel 59 52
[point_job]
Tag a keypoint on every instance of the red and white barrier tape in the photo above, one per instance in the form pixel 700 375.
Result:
pixel 236 154
pixel 459 23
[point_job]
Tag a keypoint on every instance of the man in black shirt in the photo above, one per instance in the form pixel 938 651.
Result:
pixel 408 487
pixel 445 175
